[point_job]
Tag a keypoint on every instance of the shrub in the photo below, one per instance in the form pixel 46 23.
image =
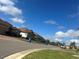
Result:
pixel 78 50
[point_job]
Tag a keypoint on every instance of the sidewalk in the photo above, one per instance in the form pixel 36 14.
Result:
pixel 20 55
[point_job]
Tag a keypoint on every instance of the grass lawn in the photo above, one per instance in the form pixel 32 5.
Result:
pixel 50 54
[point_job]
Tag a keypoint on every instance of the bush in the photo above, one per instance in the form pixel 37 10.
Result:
pixel 70 47
pixel 78 50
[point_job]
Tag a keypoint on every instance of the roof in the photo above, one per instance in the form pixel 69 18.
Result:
pixel 25 30
pixel 2 27
pixel 14 28
pixel 4 23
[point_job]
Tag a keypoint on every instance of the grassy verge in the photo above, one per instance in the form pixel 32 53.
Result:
pixel 50 54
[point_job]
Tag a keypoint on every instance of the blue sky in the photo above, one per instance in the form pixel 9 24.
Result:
pixel 46 17
pixel 36 12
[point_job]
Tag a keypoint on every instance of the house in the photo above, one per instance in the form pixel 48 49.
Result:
pixel 39 38
pixel 13 32
pixel 4 26
pixel 24 32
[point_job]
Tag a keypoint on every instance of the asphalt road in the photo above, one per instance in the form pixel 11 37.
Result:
pixel 11 45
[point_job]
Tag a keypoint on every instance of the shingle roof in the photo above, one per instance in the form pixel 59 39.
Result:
pixel 25 30
pixel 4 23
pixel 2 27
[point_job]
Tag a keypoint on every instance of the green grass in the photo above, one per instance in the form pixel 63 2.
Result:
pixel 50 54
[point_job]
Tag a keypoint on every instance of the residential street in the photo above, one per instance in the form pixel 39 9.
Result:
pixel 10 45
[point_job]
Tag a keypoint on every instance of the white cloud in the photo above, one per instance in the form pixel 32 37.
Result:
pixel 60 34
pixel 61 27
pixel 50 22
pixel 25 25
pixel 58 39
pixel 75 14
pixel 69 34
pixel 11 10
pixel 7 2
pixel 74 40
pixel 8 7
pixel 72 33
pixel 17 20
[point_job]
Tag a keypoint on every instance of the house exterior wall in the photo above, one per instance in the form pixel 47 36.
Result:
pixel 3 29
pixel 4 26
pixel 24 35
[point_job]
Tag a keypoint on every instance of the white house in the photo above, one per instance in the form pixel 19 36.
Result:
pixel 24 35
pixel 24 32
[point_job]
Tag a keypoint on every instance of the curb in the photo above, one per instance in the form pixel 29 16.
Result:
pixel 76 55
pixel 20 55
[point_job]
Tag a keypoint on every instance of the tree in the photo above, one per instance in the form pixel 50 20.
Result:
pixel 47 41
pixel 38 38
pixel 58 43
pixel 73 45
pixel 63 44
pixel 53 43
